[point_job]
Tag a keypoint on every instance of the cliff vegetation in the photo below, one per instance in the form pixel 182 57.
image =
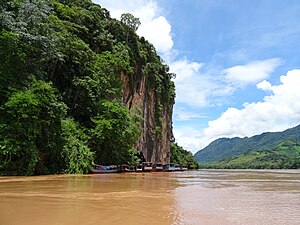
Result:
pixel 78 87
pixel 183 157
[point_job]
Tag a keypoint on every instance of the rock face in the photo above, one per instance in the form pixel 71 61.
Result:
pixel 154 141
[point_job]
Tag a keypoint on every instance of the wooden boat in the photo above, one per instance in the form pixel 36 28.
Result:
pixel 177 167
pixel 183 168
pixel 147 166
pixel 96 169
pixel 158 167
pixel 131 169
pixel 169 167
pixel 126 168
pixel 139 168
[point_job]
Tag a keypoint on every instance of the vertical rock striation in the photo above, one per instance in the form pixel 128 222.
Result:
pixel 156 134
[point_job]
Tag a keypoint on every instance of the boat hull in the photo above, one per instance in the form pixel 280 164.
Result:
pixel 100 169
pixel 147 166
pixel 158 168
pixel 169 167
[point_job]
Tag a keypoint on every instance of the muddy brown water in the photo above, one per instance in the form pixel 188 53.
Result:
pixel 208 197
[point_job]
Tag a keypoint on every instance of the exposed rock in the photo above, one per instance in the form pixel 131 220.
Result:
pixel 154 141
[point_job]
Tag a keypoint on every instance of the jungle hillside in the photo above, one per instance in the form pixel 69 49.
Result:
pixel 61 106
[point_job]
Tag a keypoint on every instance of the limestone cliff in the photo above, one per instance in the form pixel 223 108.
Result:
pixel 156 134
pixel 66 72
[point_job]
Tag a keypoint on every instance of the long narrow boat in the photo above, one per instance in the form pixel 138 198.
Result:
pixel 177 167
pixel 126 168
pixel 157 167
pixel 147 166
pixel 183 168
pixel 139 168
pixel 169 167
pixel 103 169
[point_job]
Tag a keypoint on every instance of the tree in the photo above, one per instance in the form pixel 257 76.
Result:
pixel 182 156
pixel 77 155
pixel 130 21
pixel 115 132
pixel 30 130
pixel 62 70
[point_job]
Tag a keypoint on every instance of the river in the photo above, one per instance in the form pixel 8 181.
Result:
pixel 208 197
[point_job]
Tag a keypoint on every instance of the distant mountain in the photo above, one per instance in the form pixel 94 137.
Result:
pixel 225 148
pixel 285 155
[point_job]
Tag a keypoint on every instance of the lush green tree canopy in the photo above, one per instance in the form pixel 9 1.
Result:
pixel 182 156
pixel 60 88
pixel 130 21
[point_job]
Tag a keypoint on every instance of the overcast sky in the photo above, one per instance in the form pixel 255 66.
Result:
pixel 236 63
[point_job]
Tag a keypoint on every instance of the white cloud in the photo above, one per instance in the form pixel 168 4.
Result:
pixel 158 32
pixel 264 85
pixel 199 89
pixel 187 137
pixel 181 114
pixel 276 112
pixel 252 72
pixel 191 87
pixel 194 87
pixel 154 26
pixel 185 69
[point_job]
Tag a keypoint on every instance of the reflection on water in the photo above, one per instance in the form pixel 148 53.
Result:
pixel 216 197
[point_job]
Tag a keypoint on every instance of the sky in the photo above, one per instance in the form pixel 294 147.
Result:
pixel 237 63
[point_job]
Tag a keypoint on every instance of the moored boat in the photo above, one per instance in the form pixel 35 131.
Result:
pixel 177 167
pixel 131 169
pixel 144 167
pixel 147 166
pixel 139 168
pixel 169 167
pixel 126 168
pixel 96 169
pixel 183 168
pixel 157 167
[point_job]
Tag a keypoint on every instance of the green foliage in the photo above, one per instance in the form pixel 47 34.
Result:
pixel 12 61
pixel 130 21
pixel 30 129
pixel 225 148
pixel 76 153
pixel 183 157
pixel 63 59
pixel 115 132
pixel 285 155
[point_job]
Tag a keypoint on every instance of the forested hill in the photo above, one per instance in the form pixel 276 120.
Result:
pixel 226 148
pixel 78 87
